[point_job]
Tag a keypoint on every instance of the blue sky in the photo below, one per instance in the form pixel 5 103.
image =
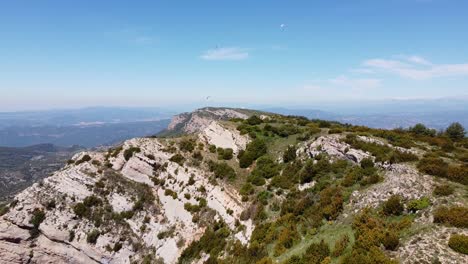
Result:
pixel 57 54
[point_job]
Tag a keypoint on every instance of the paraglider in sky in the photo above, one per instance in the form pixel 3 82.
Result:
pixel 208 98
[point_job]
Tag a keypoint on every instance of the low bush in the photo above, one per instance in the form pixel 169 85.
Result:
pixel 83 159
pixel 178 158
pixel 222 170
pixel 367 163
pixel 289 154
pixel 128 153
pixel 393 206
pixel 253 120
pixel 390 240
pixel 340 246
pixel 458 174
pixel 418 204
pixel 93 236
pixel 187 145
pixel 459 243
pixel 433 166
pixel 454 216
pixel 443 190
pixel 38 216
pixel 225 154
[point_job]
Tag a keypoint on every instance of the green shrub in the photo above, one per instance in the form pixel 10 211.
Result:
pixel 212 148
pixel 85 158
pixel 393 206
pixel 91 201
pixel 93 236
pixel 253 120
pixel 169 192
pixel 367 163
pixel 454 216
pixel 38 216
pixel 433 166
pixel 71 235
pixel 187 145
pixel 266 168
pixel 253 151
pixel 178 158
pixel 340 245
pixel 316 253
pixel 225 154
pixel 402 156
pixel 422 130
pixel 443 190
pixel 4 208
pixel 128 153
pixel 418 204
pixel 263 197
pixel 222 170
pixel 81 210
pixel 246 189
pixel 390 240
pixel 458 174
pixel 459 243
pixel 289 154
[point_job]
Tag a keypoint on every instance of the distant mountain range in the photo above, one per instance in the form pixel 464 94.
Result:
pixel 434 119
pixel 89 127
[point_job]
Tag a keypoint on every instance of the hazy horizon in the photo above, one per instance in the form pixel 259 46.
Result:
pixel 59 54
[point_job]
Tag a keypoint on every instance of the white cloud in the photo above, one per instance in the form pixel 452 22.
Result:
pixel 418 60
pixel 228 53
pixel 415 67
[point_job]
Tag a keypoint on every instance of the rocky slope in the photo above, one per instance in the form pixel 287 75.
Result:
pixel 163 228
pixel 169 200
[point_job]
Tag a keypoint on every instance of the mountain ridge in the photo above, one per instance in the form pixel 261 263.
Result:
pixel 241 186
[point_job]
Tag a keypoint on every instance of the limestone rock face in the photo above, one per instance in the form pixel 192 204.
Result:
pixel 219 136
pixel 202 118
pixel 163 227
pixel 334 147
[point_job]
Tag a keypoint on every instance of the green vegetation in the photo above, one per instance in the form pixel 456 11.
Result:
pixel 289 154
pixel 83 159
pixel 178 158
pixel 418 204
pixel 436 166
pixel 453 216
pixel 382 153
pixel 443 190
pixel 222 170
pixel 128 153
pixel 393 206
pixel 38 216
pixel 253 151
pixel 187 145
pixel 455 131
pixel 422 130
pixel 459 243
pixel 93 236
pixel 225 154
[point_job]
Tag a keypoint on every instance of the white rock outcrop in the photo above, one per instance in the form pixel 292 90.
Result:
pixel 216 134
pixel 167 214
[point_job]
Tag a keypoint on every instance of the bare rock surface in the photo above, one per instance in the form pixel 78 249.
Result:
pixel 202 118
pixel 168 213
pixel 216 134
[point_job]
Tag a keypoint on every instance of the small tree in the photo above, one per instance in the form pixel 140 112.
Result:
pixel 455 131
